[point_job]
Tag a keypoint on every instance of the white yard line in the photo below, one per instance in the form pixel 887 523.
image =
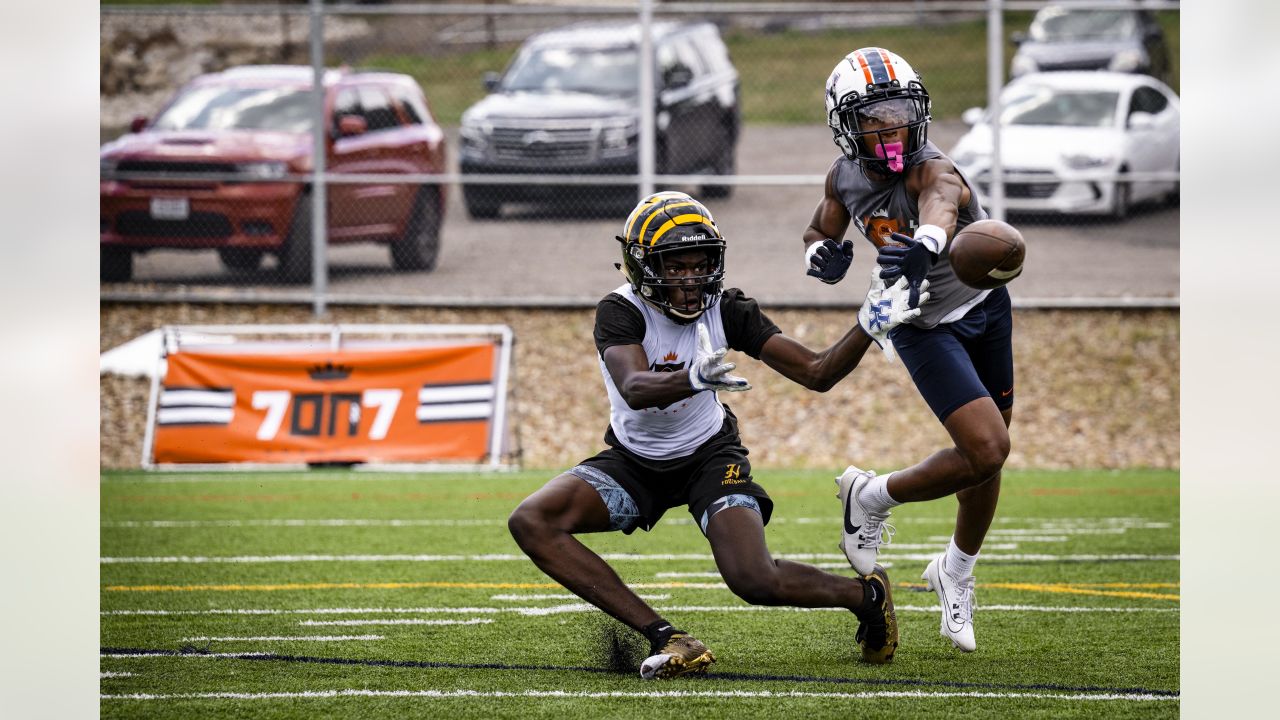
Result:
pixel 305 522
pixel 582 607
pixel 1063 526
pixel 299 638
pixel 130 656
pixel 665 557
pixel 566 596
pixel 657 694
pixel 114 674
pixel 396 621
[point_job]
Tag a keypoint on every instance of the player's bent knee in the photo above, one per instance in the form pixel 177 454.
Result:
pixel 986 457
pixel 526 524
pixel 756 589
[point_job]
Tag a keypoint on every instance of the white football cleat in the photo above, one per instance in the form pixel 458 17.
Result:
pixel 958 603
pixel 861 538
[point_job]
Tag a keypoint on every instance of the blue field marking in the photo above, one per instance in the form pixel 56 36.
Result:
pixel 371 662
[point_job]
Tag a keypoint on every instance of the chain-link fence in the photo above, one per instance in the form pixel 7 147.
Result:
pixel 490 151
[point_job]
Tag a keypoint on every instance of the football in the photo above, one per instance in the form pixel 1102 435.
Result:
pixel 987 254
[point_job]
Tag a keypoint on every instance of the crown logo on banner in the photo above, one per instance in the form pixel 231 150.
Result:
pixel 329 371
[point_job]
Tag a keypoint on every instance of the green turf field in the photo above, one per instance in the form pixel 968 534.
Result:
pixel 361 594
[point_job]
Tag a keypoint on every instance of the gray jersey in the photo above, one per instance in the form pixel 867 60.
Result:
pixel 878 209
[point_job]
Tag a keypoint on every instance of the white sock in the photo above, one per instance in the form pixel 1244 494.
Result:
pixel 875 496
pixel 959 563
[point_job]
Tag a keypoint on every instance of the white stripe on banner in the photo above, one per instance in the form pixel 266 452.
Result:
pixel 183 415
pixel 654 694
pixel 455 411
pixel 454 393
pixel 203 398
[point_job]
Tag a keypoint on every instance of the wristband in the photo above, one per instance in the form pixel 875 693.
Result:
pixel 810 252
pixel 932 237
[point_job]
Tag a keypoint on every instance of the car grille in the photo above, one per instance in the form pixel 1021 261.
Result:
pixel 1095 64
pixel 1022 189
pixel 139 223
pixel 551 145
pixel 174 166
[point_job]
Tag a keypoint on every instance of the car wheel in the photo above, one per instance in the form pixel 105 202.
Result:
pixel 115 264
pixel 481 202
pixel 420 247
pixel 1121 196
pixel 240 258
pixel 725 165
pixel 295 255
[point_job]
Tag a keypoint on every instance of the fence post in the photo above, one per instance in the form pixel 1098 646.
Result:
pixel 648 140
pixel 995 83
pixel 319 145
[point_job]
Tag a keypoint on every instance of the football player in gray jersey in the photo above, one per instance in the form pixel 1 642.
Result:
pixel 908 199
pixel 661 339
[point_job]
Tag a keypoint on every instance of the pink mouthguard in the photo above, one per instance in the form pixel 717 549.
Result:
pixel 894 152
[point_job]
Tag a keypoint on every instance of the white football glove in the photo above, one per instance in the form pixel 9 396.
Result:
pixel 887 307
pixel 709 371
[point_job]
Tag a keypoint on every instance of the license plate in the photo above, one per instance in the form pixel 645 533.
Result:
pixel 170 208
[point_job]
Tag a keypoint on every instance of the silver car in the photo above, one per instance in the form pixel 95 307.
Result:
pixel 1078 142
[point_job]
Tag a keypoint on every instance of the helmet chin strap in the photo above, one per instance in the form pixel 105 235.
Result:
pixel 891 152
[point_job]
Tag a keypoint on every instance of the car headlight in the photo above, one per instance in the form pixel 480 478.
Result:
pixel 1082 161
pixel 1130 60
pixel 618 137
pixel 474 137
pixel 263 170
pixel 1022 65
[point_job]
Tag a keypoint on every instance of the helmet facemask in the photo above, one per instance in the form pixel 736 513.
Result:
pixel 684 280
pixel 865 125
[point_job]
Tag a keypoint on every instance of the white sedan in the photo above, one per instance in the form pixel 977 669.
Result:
pixel 1078 142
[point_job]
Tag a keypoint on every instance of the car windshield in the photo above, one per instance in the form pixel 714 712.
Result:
pixel 214 107
pixel 608 71
pixel 1073 108
pixel 1057 25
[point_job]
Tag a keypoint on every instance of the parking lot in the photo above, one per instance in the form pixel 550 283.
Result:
pixel 531 254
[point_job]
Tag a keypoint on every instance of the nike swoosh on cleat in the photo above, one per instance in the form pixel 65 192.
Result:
pixel 849 527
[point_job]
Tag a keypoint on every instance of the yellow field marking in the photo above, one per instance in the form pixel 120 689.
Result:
pixel 369 586
pixel 1079 589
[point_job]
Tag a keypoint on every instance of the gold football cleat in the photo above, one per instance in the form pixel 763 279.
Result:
pixel 682 655
pixel 878 639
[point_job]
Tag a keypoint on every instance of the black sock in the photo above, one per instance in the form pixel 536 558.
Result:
pixel 872 596
pixel 658 633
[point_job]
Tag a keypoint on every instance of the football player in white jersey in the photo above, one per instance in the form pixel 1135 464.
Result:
pixel 662 337
pixel 908 199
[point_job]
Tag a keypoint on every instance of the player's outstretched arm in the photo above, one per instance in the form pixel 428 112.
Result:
pixel 818 371
pixel 827 257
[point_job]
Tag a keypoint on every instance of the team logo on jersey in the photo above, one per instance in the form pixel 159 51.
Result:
pixel 668 364
pixel 878 226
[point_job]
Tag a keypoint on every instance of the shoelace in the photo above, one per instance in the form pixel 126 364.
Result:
pixel 966 601
pixel 876 531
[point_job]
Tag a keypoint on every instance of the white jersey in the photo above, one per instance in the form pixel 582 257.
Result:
pixel 660 433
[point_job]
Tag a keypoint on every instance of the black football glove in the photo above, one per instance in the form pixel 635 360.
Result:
pixel 911 260
pixel 830 260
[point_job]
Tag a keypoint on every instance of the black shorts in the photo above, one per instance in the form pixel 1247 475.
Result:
pixel 718 468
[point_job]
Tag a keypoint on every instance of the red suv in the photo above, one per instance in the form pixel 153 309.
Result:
pixel 254 123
